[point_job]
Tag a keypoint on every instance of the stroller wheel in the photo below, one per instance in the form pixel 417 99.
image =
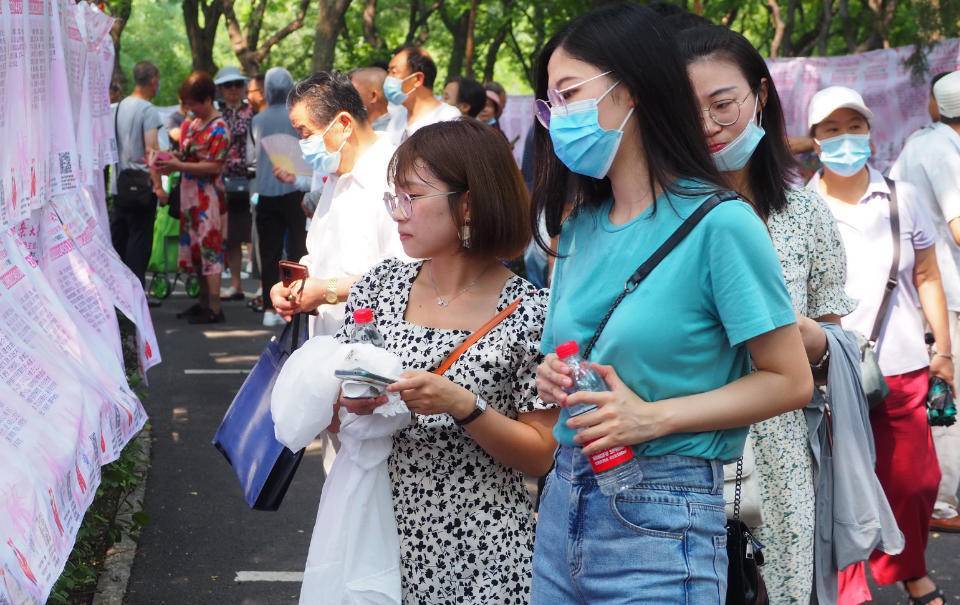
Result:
pixel 160 286
pixel 192 286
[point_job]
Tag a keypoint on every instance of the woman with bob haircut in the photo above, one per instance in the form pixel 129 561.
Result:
pixel 465 520
pixel 623 141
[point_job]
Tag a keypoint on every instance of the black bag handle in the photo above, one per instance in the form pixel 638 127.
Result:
pixel 894 267
pixel 651 263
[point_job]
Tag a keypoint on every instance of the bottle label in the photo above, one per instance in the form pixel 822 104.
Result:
pixel 611 458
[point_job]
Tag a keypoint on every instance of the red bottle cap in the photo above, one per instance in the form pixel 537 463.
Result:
pixel 363 315
pixel 567 349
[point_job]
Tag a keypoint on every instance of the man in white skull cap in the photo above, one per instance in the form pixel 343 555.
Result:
pixel 930 161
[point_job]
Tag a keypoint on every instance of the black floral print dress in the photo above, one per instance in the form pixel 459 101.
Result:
pixel 466 522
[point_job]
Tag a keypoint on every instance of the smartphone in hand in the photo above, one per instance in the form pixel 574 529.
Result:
pixel 291 272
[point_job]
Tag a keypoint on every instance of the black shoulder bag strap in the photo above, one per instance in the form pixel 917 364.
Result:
pixel 891 284
pixel 651 263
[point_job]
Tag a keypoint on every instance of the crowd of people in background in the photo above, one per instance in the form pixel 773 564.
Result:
pixel 417 209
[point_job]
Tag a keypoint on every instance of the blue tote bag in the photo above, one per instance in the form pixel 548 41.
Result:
pixel 264 466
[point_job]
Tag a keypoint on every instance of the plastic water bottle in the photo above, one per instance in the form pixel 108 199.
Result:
pixel 364 330
pixel 616 469
pixel 941 408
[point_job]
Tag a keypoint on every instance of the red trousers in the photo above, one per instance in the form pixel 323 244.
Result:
pixel 910 475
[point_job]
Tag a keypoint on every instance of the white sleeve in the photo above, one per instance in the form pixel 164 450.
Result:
pixel 943 170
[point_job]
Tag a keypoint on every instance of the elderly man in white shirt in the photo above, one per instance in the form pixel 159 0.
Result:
pixel 350 230
pixel 930 161
pixel 409 90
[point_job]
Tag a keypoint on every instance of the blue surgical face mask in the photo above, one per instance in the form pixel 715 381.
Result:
pixel 393 89
pixel 846 154
pixel 492 122
pixel 738 152
pixel 580 142
pixel 315 152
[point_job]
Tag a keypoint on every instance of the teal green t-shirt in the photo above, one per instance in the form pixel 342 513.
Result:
pixel 683 330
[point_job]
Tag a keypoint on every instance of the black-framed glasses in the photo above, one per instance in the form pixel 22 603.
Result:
pixel 725 112
pixel 400 205
pixel 556 101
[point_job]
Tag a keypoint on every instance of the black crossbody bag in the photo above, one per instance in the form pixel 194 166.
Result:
pixel 134 187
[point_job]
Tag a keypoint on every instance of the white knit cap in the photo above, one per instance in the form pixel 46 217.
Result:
pixel 947 93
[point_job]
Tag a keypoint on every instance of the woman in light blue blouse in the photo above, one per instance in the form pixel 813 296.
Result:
pixel 623 141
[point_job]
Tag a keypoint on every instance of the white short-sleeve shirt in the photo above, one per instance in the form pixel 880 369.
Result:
pixel 400 130
pixel 865 229
pixel 351 230
pixel 930 161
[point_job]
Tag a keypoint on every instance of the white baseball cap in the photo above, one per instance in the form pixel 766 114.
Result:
pixel 947 93
pixel 833 98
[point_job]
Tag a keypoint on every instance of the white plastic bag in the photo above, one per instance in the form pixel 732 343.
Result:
pixel 355 550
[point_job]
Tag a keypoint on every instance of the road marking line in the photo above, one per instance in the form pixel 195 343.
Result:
pixel 269 576
pixel 232 371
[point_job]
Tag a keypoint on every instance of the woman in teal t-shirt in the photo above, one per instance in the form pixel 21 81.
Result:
pixel 623 141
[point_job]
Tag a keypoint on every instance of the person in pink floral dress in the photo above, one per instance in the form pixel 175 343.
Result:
pixel 204 143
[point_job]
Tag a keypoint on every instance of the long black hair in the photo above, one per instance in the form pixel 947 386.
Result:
pixel 772 167
pixel 631 42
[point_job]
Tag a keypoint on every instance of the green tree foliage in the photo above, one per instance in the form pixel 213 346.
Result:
pixel 488 39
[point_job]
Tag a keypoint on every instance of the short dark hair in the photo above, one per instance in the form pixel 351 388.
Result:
pixel 419 60
pixel 949 121
pixel 326 94
pixel 259 79
pixel 470 92
pixel 632 42
pixel 772 167
pixel 144 72
pixel 499 202
pixel 198 87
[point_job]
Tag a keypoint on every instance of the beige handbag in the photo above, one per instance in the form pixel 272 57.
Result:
pixel 750 512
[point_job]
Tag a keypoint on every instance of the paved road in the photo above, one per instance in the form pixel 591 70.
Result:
pixel 201 533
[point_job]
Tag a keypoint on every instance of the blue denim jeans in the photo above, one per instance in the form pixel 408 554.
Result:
pixel 662 541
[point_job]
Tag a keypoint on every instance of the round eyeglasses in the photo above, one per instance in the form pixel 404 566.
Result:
pixel 725 112
pixel 400 205
pixel 556 101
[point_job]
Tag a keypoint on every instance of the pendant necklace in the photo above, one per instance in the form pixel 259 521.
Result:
pixel 444 302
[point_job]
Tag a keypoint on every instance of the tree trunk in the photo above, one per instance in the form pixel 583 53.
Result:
pixel 417 26
pixel 370 33
pixel 245 38
pixel 329 22
pixel 825 23
pixel 458 27
pixel 849 30
pixel 493 50
pixel 202 36
pixel 469 44
pixel 779 26
pixel 120 10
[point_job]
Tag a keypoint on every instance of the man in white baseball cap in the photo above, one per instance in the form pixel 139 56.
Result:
pixel 863 203
pixel 930 161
